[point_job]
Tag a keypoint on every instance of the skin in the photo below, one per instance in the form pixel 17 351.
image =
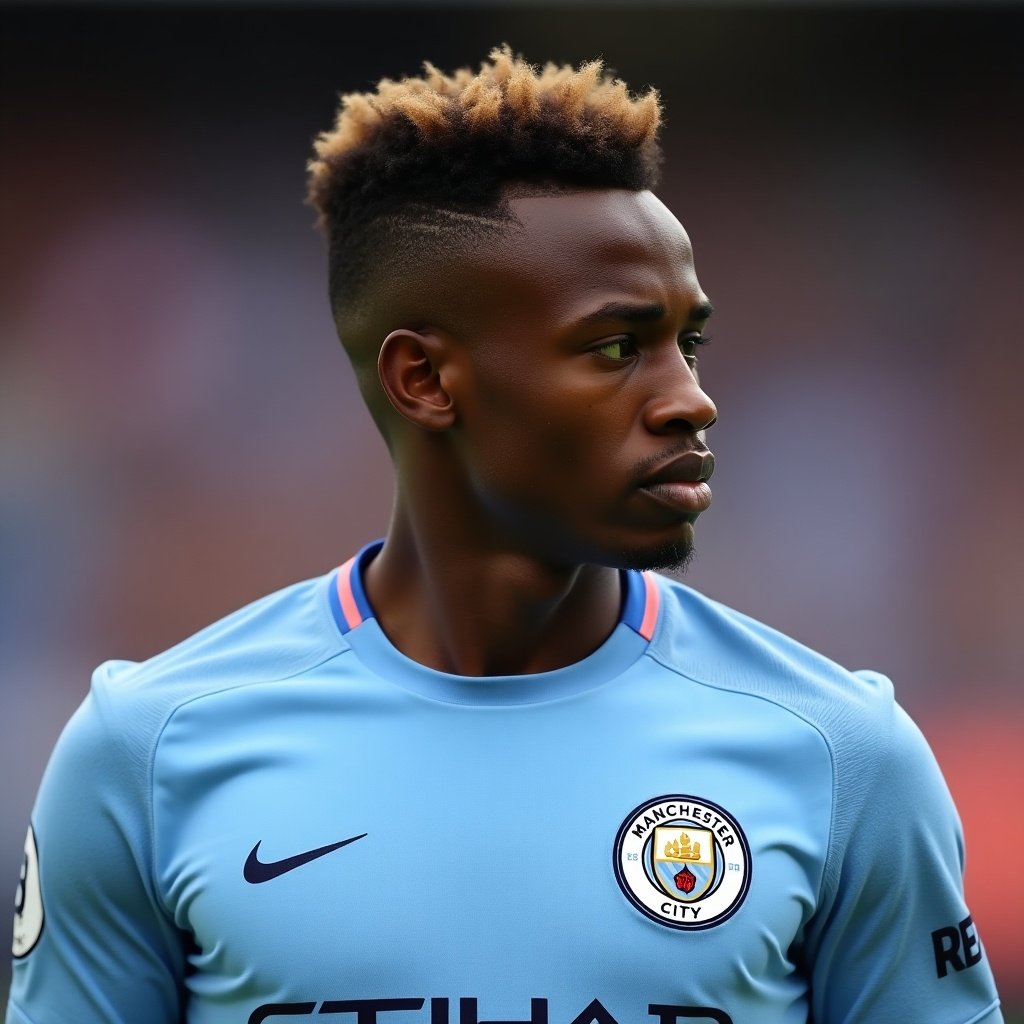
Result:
pixel 524 417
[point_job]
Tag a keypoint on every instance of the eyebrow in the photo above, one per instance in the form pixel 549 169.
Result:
pixel 633 313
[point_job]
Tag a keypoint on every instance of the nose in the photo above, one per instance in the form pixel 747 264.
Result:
pixel 678 404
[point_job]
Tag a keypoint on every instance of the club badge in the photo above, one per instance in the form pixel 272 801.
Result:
pixel 683 862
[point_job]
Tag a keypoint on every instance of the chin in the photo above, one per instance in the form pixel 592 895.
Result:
pixel 672 555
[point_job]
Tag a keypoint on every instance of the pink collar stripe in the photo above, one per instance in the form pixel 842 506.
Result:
pixel 652 598
pixel 349 605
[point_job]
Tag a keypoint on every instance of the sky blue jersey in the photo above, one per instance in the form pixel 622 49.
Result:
pixel 284 817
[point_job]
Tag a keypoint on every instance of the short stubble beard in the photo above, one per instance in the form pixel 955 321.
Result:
pixel 674 556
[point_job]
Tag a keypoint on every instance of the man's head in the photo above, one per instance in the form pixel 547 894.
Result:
pixel 522 313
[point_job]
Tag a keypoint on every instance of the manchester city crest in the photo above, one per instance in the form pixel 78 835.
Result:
pixel 683 862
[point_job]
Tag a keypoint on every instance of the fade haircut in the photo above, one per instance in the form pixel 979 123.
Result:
pixel 424 164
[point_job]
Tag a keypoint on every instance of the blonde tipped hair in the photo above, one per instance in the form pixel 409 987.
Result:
pixel 442 149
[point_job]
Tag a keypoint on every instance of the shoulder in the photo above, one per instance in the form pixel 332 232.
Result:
pixel 718 646
pixel 879 759
pixel 276 637
pixel 855 713
pixel 98 784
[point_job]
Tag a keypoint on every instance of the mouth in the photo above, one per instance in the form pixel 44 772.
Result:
pixel 689 497
pixel 682 483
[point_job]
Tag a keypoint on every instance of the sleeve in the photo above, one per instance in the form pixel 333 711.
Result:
pixel 92 942
pixel 893 939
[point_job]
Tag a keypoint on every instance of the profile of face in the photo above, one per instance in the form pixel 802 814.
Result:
pixel 580 419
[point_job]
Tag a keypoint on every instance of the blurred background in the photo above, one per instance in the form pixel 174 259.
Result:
pixel 180 433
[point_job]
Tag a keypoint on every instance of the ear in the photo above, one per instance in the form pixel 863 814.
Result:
pixel 409 367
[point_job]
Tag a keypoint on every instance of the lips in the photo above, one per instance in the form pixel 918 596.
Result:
pixel 689 468
pixel 680 485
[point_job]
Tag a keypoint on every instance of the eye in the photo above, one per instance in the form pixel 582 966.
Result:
pixel 619 348
pixel 689 344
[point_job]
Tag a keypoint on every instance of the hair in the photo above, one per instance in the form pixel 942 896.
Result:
pixel 426 163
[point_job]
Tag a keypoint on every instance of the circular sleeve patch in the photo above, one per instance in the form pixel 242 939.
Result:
pixel 683 861
pixel 28 901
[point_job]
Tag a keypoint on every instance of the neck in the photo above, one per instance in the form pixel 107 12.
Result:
pixel 468 605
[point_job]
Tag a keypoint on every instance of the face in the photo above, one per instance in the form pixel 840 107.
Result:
pixel 580 419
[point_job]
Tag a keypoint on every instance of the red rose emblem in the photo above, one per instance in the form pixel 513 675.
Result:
pixel 685 880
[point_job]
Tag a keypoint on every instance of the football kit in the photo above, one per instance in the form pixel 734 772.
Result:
pixel 284 817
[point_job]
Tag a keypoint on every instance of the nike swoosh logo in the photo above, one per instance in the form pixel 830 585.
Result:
pixel 256 871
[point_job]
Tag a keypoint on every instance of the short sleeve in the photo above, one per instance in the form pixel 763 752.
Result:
pixel 893 940
pixel 92 942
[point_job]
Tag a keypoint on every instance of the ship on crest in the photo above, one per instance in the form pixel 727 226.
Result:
pixel 682 848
